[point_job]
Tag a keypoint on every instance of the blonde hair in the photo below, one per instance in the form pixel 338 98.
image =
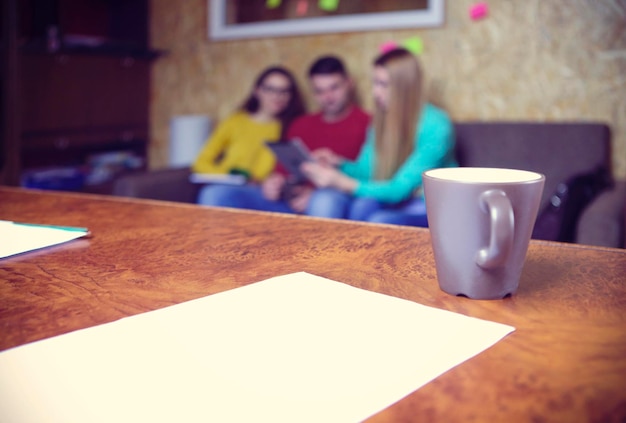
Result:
pixel 395 127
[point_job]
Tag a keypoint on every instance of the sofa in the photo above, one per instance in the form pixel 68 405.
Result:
pixel 559 150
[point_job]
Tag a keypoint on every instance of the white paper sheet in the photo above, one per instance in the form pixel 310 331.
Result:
pixel 18 238
pixel 216 178
pixel 295 348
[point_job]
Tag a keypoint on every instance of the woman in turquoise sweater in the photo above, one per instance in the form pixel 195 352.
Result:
pixel 406 138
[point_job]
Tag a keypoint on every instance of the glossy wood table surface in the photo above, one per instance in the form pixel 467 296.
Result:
pixel 565 362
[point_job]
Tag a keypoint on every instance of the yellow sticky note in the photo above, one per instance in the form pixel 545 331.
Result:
pixel 414 45
pixel 329 5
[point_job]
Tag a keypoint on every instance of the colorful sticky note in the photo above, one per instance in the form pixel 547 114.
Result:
pixel 272 4
pixel 414 45
pixel 328 5
pixel 478 11
pixel 387 46
pixel 302 7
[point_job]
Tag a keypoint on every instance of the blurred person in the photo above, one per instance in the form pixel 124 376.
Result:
pixel 408 136
pixel 237 145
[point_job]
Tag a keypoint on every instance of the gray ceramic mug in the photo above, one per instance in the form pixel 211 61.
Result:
pixel 480 221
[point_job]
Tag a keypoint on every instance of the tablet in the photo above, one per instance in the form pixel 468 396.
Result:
pixel 291 154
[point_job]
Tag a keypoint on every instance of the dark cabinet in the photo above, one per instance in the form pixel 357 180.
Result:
pixel 76 105
pixel 84 94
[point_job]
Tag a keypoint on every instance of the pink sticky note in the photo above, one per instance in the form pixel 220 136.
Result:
pixel 302 7
pixel 387 46
pixel 478 11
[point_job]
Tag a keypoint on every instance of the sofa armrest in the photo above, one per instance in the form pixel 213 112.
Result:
pixel 603 221
pixel 165 184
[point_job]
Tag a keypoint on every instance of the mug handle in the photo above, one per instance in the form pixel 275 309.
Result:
pixel 497 204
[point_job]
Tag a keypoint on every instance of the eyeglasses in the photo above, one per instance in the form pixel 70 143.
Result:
pixel 276 90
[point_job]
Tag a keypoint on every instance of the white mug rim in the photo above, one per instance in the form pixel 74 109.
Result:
pixel 484 175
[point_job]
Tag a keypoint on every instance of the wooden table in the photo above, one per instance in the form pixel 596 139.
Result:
pixel 565 362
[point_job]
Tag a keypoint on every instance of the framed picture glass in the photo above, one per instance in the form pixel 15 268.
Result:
pixel 233 19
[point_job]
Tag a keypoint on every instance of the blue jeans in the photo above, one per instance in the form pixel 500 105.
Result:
pixel 241 197
pixel 328 202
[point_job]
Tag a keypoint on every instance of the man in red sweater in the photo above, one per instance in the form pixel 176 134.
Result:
pixel 339 125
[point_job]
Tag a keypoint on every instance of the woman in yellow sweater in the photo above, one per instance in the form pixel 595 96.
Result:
pixel 238 143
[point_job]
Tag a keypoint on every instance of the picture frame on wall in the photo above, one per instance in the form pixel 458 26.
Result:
pixel 240 19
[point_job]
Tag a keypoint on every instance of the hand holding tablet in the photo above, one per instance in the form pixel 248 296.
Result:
pixel 291 154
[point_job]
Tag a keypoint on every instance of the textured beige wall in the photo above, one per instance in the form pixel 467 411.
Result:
pixel 543 60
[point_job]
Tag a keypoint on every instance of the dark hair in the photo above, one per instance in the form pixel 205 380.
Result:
pixel 294 108
pixel 382 59
pixel 326 65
